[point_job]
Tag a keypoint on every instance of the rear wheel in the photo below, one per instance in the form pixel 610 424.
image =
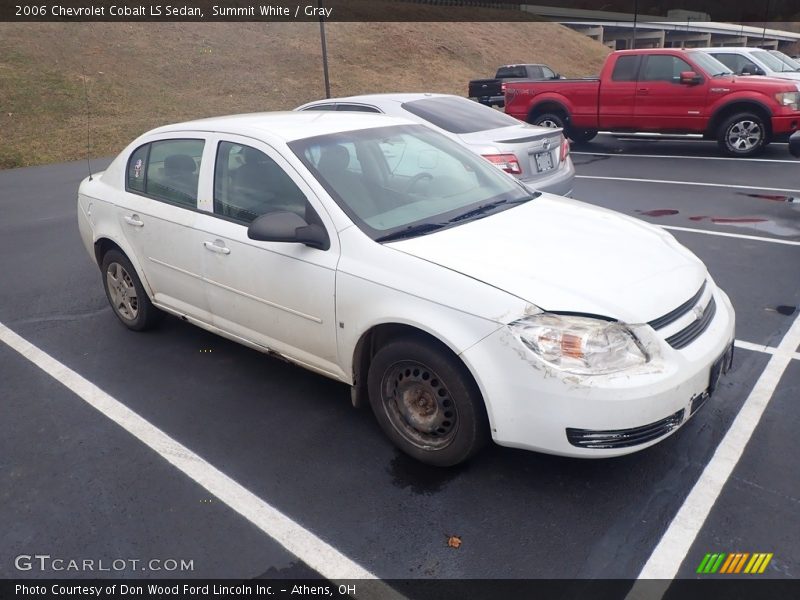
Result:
pixel 427 403
pixel 126 294
pixel 551 120
pixel 743 134
pixel 581 135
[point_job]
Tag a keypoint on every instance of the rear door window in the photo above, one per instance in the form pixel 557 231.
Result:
pixel 167 170
pixel 357 108
pixel 626 68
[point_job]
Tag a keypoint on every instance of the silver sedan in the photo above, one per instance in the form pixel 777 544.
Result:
pixel 539 156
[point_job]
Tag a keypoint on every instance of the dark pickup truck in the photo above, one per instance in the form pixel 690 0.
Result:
pixel 491 92
pixel 664 90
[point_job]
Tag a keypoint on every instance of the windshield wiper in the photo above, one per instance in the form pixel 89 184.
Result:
pixel 488 207
pixel 411 231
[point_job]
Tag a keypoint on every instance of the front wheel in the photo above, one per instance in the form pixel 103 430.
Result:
pixel 427 403
pixel 742 135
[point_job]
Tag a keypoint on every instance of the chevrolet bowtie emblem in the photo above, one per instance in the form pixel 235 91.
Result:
pixel 698 312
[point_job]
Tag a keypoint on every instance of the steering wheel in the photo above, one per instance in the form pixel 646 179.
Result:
pixel 416 179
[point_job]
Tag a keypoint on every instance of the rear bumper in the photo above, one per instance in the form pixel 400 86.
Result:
pixel 490 100
pixel 560 181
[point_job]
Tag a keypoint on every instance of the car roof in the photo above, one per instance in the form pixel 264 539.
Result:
pixel 728 49
pixel 378 99
pixel 287 125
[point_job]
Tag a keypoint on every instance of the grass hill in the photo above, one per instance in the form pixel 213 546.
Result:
pixel 141 75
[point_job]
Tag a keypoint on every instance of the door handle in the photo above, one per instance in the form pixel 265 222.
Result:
pixel 134 220
pixel 214 247
pixel 644 91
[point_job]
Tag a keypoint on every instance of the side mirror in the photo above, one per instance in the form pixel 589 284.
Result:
pixel 751 69
pixel 288 227
pixel 690 78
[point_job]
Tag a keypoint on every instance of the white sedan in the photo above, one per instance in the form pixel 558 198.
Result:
pixel 539 156
pixel 461 304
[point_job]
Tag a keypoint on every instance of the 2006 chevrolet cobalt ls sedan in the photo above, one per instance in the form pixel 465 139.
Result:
pixel 461 304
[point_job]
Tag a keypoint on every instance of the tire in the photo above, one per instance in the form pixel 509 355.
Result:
pixel 438 416
pixel 552 120
pixel 582 136
pixel 743 134
pixel 125 293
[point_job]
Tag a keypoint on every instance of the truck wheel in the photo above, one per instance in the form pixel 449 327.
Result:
pixel 581 135
pixel 426 402
pixel 743 134
pixel 551 120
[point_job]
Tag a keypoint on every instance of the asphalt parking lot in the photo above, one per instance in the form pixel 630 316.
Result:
pixel 224 440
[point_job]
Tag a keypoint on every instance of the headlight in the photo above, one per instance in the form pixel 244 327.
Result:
pixel 580 344
pixel 790 99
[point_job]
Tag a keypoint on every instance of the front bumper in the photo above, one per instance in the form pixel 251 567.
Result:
pixel 785 125
pixel 536 407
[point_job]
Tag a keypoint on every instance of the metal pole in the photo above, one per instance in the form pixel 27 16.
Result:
pixel 766 17
pixel 324 51
pixel 635 18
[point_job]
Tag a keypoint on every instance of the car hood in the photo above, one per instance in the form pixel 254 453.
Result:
pixel 564 255
pixel 760 83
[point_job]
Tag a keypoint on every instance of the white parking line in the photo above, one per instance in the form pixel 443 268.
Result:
pixel 767 160
pixel 692 183
pixel 741 236
pixel 315 552
pixel 761 348
pixel 754 347
pixel 676 542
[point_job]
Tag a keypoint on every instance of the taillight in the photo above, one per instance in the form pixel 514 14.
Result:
pixel 564 149
pixel 506 162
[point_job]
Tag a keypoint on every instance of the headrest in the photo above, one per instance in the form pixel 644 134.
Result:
pixel 334 159
pixel 182 163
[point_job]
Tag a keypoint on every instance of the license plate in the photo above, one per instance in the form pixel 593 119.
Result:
pixel 544 161
pixel 721 366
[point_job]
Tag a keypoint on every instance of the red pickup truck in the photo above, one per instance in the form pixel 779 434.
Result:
pixel 664 91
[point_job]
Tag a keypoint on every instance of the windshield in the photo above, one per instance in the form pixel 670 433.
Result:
pixel 772 63
pixel 790 64
pixel 406 178
pixel 459 115
pixel 710 65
